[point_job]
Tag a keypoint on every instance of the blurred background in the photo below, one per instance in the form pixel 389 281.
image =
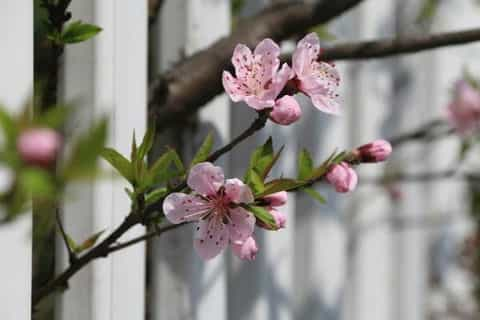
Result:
pixel 403 246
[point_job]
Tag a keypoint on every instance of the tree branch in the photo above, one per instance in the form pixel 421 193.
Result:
pixel 395 46
pixel 190 84
pixel 72 257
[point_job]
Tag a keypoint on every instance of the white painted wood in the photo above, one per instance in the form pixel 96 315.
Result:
pixel 369 249
pixel 16 85
pixel 183 285
pixel 108 75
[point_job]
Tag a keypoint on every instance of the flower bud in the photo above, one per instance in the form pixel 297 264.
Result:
pixel 39 146
pixel 279 218
pixel 246 250
pixel 463 113
pixel 375 151
pixel 342 177
pixel 276 199
pixel 286 111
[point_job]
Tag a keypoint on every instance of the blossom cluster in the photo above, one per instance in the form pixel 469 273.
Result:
pixel 262 84
pixel 216 206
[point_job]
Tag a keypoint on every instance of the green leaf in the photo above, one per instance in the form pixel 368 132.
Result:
pixel 71 243
pixel 315 195
pixel 130 194
pixel 322 169
pixel 305 165
pixel 78 32
pixel 90 242
pixel 86 151
pixel 162 171
pixel 278 185
pixel 262 160
pixel 7 123
pixel 155 195
pixel 133 152
pixel 54 117
pixel 120 163
pixel 261 214
pixel 147 142
pixel 255 182
pixel 36 182
pixel 204 150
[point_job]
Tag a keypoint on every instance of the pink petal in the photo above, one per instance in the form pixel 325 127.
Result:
pixel 246 250
pixel 242 60
pixel 241 225
pixel 180 207
pixel 276 199
pixel 234 87
pixel 258 103
pixel 279 81
pixel 267 47
pixel 237 191
pixel 307 51
pixel 205 178
pixel 211 238
pixel 286 111
pixel 325 104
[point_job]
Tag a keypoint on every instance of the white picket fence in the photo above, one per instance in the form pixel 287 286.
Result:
pixel 344 260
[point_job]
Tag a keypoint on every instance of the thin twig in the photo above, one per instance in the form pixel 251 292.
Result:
pixel 155 233
pixel 72 257
pixel 431 130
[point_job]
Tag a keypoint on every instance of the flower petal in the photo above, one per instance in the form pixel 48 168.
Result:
pixel 279 81
pixel 241 225
pixel 180 207
pixel 306 52
pixel 237 191
pixel 246 250
pixel 326 104
pixel 211 238
pixel 205 178
pixel 242 60
pixel 259 103
pixel 267 47
pixel 235 88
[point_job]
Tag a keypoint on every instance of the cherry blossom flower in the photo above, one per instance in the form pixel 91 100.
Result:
pixel 214 205
pixel 375 151
pixel 286 111
pixel 463 113
pixel 246 250
pixel 342 177
pixel 258 80
pixel 39 146
pixel 318 80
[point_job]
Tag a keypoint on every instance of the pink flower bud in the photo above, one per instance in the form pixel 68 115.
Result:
pixel 342 177
pixel 276 199
pixel 278 217
pixel 463 113
pixel 375 151
pixel 286 111
pixel 39 146
pixel 246 250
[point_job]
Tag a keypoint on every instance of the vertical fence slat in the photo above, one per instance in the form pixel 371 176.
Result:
pixel 16 85
pixel 184 286
pixel 108 77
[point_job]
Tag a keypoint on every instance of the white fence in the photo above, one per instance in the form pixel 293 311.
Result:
pixel 344 260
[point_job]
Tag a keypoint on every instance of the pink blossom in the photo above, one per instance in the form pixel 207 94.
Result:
pixel 286 111
pixel 246 250
pixel 39 146
pixel 279 217
pixel 276 199
pixel 463 113
pixel 258 80
pixel 213 204
pixel 375 151
pixel 342 177
pixel 318 80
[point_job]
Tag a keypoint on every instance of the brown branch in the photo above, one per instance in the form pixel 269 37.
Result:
pixel 423 177
pixel 429 131
pixel 189 85
pixel 396 46
pixel 72 257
